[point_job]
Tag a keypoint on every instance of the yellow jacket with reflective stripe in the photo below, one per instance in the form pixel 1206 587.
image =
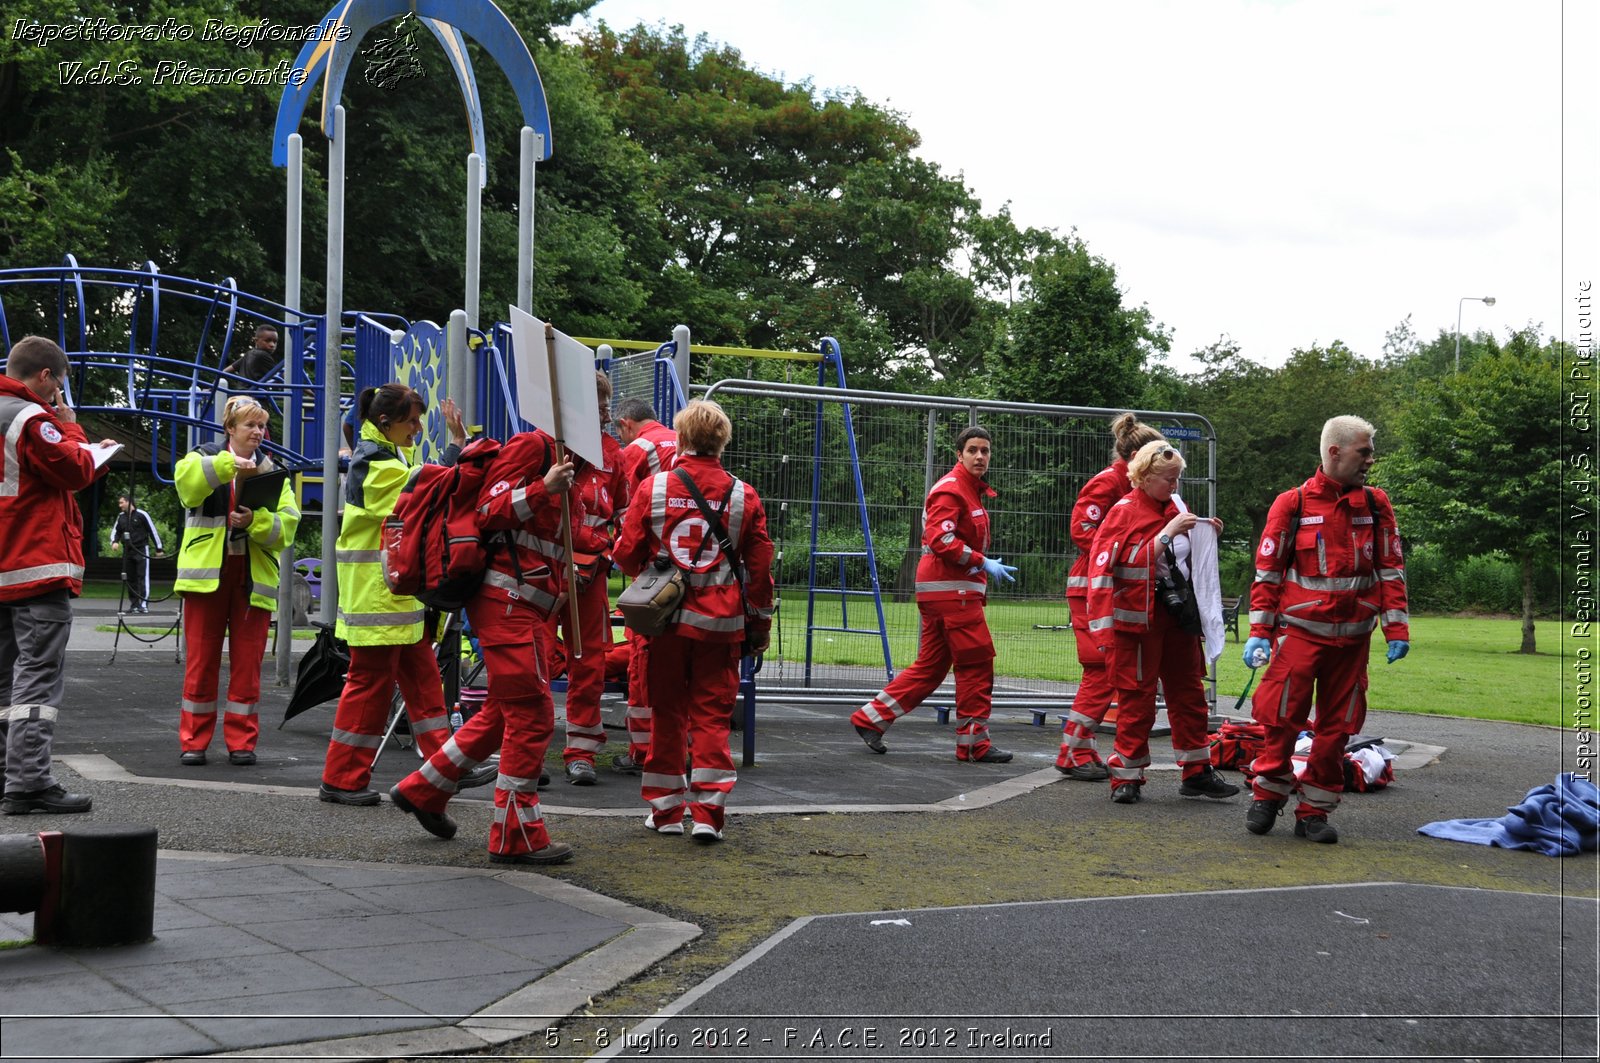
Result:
pixel 369 614
pixel 202 479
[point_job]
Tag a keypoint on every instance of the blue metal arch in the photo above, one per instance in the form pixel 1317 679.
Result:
pixel 327 59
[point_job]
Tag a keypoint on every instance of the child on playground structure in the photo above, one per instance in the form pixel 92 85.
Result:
pixel 228 577
pixel 385 631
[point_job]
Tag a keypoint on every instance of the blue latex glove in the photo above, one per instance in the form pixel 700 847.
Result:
pixel 1398 648
pixel 1255 646
pixel 998 572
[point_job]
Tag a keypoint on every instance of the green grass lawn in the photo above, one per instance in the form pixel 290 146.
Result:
pixel 1458 666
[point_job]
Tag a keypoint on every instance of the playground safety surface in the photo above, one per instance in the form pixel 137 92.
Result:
pixel 387 943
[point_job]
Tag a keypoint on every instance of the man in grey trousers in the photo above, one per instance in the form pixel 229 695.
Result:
pixel 46 458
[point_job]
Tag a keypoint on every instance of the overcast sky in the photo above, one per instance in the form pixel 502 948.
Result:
pixel 1284 173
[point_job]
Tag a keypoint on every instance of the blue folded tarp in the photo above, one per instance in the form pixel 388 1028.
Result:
pixel 1562 819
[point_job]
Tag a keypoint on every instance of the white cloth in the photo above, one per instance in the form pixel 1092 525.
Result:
pixel 1206 582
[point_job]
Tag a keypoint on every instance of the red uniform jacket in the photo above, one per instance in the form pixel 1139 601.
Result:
pixel 1122 568
pixel 1341 577
pixel 955 535
pixel 41 466
pixel 603 491
pixel 661 510
pixel 653 450
pixel 514 500
pixel 1094 502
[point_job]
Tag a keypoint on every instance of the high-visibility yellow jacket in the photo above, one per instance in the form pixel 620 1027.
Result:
pixel 369 613
pixel 204 481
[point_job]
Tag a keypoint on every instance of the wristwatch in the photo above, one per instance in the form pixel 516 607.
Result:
pixel 1164 539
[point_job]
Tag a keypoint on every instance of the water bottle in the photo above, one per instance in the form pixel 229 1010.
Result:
pixel 455 717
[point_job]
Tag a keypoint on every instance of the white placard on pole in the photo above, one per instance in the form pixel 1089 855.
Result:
pixel 574 386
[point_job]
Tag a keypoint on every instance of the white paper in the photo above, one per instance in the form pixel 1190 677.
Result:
pixel 102 452
pixel 574 396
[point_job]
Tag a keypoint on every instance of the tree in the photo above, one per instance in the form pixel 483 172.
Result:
pixel 785 216
pixel 1072 341
pixel 1477 467
pixel 1269 421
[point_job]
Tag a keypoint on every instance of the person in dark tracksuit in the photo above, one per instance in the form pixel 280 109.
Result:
pixel 134 535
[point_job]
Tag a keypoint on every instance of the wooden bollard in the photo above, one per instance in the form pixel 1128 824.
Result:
pixel 108 887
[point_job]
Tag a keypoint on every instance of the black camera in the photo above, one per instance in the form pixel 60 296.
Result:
pixel 1173 596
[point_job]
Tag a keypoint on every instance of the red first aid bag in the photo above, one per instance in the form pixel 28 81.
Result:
pixel 1235 744
pixel 433 547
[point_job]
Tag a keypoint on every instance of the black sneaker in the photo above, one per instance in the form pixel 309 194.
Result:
pixel 192 758
pixel 335 796
pixel 873 739
pixel 626 765
pixel 50 799
pixel 1088 771
pixel 1208 783
pixel 1126 793
pixel 242 757
pixel 1262 816
pixel 1316 829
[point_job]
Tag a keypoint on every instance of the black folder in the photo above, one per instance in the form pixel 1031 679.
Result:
pixel 262 490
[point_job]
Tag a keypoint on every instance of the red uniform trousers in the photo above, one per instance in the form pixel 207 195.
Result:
pixel 639 711
pixel 1283 704
pixel 363 712
pixel 693 685
pixel 586 675
pixel 1093 699
pixel 207 619
pixel 1138 659
pixel 953 633
pixel 517 718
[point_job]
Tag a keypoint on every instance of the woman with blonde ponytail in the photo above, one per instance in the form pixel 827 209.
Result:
pixel 1078 758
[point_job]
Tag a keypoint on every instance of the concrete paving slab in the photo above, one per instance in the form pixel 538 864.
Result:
pixel 322 952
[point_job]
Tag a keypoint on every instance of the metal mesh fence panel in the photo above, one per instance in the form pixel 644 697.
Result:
pixel 794 447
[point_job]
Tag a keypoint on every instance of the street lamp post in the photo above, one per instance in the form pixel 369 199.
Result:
pixel 1486 300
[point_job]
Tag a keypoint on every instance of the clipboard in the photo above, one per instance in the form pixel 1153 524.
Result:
pixel 262 490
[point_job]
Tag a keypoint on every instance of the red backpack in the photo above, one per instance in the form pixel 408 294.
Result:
pixel 433 548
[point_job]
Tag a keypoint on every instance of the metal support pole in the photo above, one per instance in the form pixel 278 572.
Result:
pixel 332 344
pixel 456 356
pixel 680 357
pixel 532 150
pixel 291 299
pixel 474 237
